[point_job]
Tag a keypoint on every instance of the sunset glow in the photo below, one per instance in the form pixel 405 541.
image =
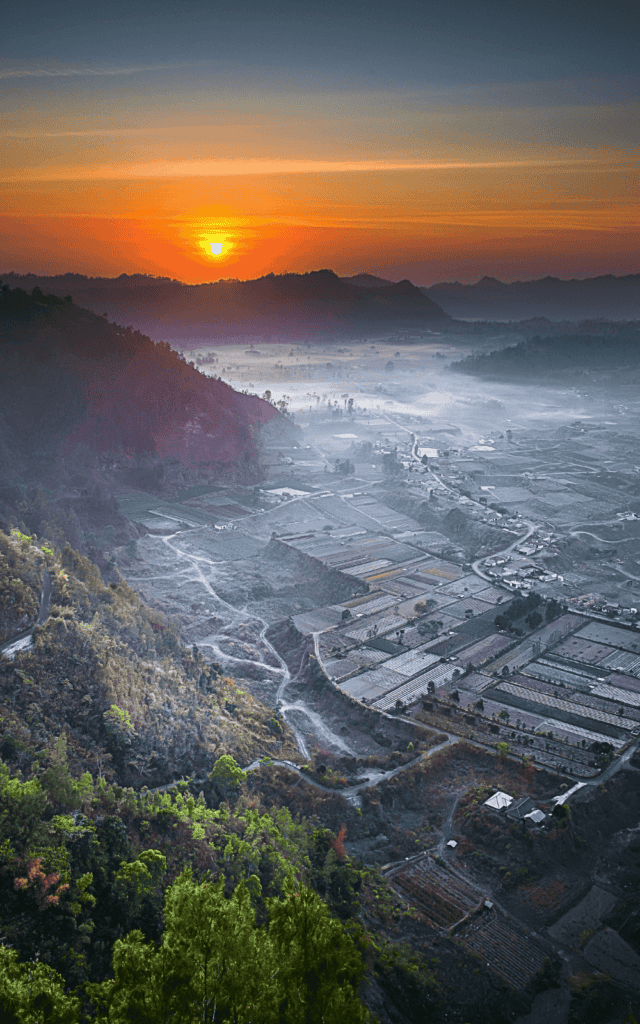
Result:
pixel 427 153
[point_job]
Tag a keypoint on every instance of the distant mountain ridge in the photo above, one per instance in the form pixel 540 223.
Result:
pixel 606 297
pixel 321 303
pixel 307 305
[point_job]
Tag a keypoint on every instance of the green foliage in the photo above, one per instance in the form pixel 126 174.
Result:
pixel 22 807
pixel 227 775
pixel 118 724
pixel 32 993
pixel 56 779
pixel 214 963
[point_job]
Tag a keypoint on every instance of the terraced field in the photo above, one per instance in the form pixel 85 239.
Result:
pixel 505 950
pixel 443 897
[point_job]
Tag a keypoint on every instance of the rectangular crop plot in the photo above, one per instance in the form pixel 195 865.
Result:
pixel 465 585
pixel 616 694
pixel 509 953
pixel 444 571
pixel 561 730
pixel 568 707
pixel 472 604
pixel 483 650
pixel 558 674
pixel 624 682
pixel 317 620
pixel 556 630
pixel 332 641
pixel 441 896
pixel 367 605
pixel 491 595
pixel 385 623
pixel 412 662
pixel 475 682
pixel 579 649
pixel 340 668
pixel 372 684
pixel 625 661
pixel 412 690
pixel 364 568
pixel 602 633
pixel 402 586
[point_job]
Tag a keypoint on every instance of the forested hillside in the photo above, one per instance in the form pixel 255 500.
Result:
pixel 122 899
pixel 619 348
pixel 79 393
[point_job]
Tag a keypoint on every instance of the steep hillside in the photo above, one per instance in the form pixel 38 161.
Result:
pixel 78 392
pixel 318 303
pixel 101 647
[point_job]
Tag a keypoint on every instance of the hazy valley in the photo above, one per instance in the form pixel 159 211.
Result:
pixel 392 588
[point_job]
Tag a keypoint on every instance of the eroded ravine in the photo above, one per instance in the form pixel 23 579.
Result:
pixel 195 571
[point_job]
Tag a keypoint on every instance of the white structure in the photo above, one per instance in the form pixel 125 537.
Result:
pixel 499 801
pixel 536 816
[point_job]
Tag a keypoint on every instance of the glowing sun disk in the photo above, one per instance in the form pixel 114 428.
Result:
pixel 216 248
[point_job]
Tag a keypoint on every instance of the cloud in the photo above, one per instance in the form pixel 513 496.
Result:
pixel 64 72
pixel 239 167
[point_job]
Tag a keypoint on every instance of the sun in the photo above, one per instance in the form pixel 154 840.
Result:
pixel 216 248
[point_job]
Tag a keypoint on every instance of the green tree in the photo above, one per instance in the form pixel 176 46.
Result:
pixel 320 967
pixel 22 805
pixel 56 778
pixel 118 724
pixel 212 963
pixel 32 993
pixel 227 775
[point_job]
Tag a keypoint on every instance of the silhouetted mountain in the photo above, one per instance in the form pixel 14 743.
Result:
pixel 77 391
pixel 365 280
pixel 608 297
pixel 318 303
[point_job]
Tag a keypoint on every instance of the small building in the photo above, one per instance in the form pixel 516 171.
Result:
pixel 499 801
pixel 536 816
pixel 519 809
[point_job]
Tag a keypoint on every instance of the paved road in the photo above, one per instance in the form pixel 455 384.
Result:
pixel 531 528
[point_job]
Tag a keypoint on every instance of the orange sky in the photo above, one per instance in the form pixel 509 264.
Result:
pixel 106 169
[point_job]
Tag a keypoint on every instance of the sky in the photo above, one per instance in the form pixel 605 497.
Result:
pixel 425 140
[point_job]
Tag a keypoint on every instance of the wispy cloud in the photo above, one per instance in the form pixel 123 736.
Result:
pixel 140 130
pixel 70 72
pixel 238 167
